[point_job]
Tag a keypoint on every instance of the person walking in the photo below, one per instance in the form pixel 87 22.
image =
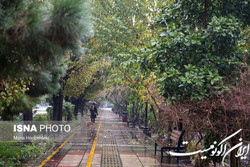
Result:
pixel 93 113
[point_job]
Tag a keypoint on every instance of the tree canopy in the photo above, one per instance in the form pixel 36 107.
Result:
pixel 35 38
pixel 199 50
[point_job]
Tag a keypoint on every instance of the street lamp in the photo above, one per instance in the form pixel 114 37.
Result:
pixel 145 129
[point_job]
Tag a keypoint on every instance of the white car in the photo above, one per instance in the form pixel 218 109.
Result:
pixel 40 110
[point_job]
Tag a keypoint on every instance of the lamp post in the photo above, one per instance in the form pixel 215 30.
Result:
pixel 145 129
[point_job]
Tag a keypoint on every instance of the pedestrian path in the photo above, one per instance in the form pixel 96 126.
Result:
pixel 106 143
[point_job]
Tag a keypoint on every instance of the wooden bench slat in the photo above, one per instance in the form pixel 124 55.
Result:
pixel 164 144
pixel 175 135
pixel 176 132
pixel 174 138
pixel 161 144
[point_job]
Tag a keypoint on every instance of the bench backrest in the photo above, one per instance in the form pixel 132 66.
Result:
pixel 176 136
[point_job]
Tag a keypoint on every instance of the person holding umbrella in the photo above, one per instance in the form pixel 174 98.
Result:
pixel 93 112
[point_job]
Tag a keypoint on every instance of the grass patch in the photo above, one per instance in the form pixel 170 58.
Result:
pixel 14 154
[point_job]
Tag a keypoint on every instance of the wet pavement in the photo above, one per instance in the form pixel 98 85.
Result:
pixel 107 143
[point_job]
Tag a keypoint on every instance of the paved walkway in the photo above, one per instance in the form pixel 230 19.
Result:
pixel 107 143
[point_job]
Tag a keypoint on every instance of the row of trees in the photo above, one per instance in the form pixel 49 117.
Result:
pixel 188 59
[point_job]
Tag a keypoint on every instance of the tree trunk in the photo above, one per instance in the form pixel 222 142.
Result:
pixel 57 106
pixel 205 15
pixel 153 110
pixel 69 117
pixel 233 159
pixel 82 106
pixel 28 116
pixel 139 115
pixel 170 124
pixel 77 106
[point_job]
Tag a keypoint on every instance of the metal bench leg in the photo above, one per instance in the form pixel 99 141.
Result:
pixel 162 154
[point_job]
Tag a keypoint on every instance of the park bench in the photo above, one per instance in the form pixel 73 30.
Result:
pixel 174 144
